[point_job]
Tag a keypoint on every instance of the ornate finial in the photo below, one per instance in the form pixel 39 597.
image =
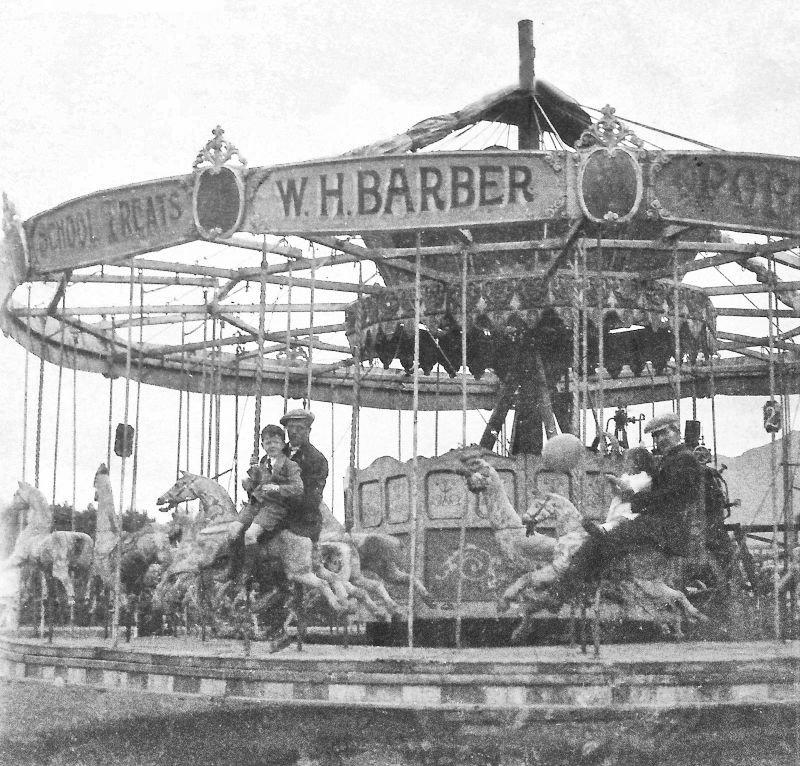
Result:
pixel 216 153
pixel 607 131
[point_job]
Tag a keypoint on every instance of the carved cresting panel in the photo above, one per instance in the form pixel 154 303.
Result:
pixel 370 495
pixel 398 499
pixel 446 496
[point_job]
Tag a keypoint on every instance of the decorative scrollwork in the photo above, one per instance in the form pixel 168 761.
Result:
pixel 217 152
pixel 608 131
pixel 559 206
pixel 656 210
pixel 658 161
pixel 555 160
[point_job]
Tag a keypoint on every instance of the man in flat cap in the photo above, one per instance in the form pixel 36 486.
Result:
pixel 304 516
pixel 664 511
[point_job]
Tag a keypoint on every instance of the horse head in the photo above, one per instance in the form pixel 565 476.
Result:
pixel 477 470
pixel 40 514
pixel 215 503
pixel 553 510
pixel 181 491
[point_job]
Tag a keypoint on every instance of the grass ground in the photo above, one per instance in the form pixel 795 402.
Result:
pixel 45 725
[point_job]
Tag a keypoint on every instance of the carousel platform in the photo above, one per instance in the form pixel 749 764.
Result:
pixel 543 682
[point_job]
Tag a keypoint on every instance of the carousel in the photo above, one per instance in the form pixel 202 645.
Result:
pixel 526 261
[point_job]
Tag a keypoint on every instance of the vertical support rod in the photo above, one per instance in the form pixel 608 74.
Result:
pixel 414 435
pixel 601 362
pixel 56 437
pixel 288 341
pixel 773 460
pixel 25 400
pixel 713 394
pixel 260 358
pixel 355 414
pixel 528 127
pixel 180 395
pixel 139 359
pixel 74 438
pixel 123 463
pixel 584 346
pixel 576 347
pixel 203 389
pixel 676 329
pixel 462 530
pixel 110 394
pixel 309 380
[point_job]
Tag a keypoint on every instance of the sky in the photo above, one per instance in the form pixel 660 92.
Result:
pixel 102 95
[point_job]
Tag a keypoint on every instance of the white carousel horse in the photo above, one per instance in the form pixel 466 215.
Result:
pixel 57 555
pixel 380 554
pixel 107 533
pixel 548 558
pixel 520 552
pixel 218 513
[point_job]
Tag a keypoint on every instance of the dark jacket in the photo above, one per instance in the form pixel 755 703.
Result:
pixel 269 508
pixel 676 496
pixel 304 517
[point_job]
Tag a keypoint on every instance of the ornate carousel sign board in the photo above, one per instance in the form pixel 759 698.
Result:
pixel 408 192
pixel 111 225
pixel 734 191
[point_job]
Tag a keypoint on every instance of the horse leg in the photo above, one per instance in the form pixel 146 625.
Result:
pixel 60 572
pixel 334 581
pixel 43 595
pixel 295 554
pixel 396 575
pixel 377 590
pixel 511 593
pixel 361 595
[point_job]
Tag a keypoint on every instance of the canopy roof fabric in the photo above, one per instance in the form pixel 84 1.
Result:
pixel 560 110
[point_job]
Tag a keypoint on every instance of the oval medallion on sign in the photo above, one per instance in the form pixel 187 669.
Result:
pixel 218 202
pixel 610 185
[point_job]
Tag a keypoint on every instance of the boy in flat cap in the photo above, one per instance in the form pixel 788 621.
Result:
pixel 664 511
pixel 304 517
pixel 271 485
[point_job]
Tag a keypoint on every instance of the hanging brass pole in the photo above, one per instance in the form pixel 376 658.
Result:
pixel 355 415
pixel 773 466
pixel 414 472
pixel 288 342
pixel 676 330
pixel 123 463
pixel 311 326
pixel 25 408
pixel 462 527
pixel 260 358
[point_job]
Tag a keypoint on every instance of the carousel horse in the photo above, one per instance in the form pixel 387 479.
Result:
pixel 380 554
pixel 59 555
pixel 520 552
pixel 211 544
pixel 107 533
pixel 548 558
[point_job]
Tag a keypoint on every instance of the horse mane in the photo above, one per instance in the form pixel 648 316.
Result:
pixel 200 484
